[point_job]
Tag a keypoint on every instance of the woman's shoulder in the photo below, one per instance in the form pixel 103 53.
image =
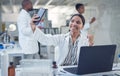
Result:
pixel 65 35
pixel 62 36
pixel 84 36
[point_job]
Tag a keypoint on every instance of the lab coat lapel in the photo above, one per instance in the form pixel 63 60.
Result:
pixel 65 50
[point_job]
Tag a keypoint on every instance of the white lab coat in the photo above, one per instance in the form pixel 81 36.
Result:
pixel 85 28
pixel 26 41
pixel 60 40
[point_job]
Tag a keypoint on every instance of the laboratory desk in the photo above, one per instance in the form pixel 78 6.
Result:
pixel 115 72
pixel 5 58
pixel 61 72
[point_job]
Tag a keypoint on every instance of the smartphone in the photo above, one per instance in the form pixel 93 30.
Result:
pixel 40 14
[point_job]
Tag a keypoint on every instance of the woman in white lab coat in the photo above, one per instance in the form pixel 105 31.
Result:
pixel 69 44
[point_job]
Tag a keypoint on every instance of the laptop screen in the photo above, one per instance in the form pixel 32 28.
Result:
pixel 94 59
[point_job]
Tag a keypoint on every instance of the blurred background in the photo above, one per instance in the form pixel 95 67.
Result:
pixel 106 29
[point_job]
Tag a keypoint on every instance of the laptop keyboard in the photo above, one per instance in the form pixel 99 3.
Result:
pixel 72 70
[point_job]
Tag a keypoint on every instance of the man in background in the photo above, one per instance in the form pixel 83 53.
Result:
pixel 27 43
pixel 81 9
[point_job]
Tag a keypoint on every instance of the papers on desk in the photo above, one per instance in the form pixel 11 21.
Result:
pixel 36 67
pixel 116 67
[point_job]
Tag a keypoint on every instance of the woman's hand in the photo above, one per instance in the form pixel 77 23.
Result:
pixel 91 39
pixel 33 26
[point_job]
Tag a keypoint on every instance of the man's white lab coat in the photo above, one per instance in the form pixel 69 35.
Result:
pixel 26 41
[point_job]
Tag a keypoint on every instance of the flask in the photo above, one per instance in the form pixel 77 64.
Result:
pixel 55 68
pixel 11 69
pixel 6 37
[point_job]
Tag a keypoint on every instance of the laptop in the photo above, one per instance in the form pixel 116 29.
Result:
pixel 94 59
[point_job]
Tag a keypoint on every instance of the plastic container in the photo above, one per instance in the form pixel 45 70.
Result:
pixel 4 63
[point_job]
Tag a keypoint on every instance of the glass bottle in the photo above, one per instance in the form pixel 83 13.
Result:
pixel 11 69
pixel 55 68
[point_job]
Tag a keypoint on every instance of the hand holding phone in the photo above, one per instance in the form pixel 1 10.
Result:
pixel 40 15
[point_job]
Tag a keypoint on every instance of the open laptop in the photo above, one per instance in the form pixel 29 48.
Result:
pixel 94 59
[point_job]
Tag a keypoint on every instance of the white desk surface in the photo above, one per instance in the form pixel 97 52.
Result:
pixel 110 73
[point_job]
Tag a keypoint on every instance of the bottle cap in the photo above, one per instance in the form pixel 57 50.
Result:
pixel 1 46
pixel 119 55
pixel 54 62
pixel 11 63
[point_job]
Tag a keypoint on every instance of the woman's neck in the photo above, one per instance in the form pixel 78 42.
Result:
pixel 74 36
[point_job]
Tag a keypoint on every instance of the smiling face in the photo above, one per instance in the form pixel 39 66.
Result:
pixel 75 24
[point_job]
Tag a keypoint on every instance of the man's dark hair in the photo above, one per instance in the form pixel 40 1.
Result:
pixel 25 2
pixel 78 5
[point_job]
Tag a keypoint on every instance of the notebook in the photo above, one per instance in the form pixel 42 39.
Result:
pixel 94 59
